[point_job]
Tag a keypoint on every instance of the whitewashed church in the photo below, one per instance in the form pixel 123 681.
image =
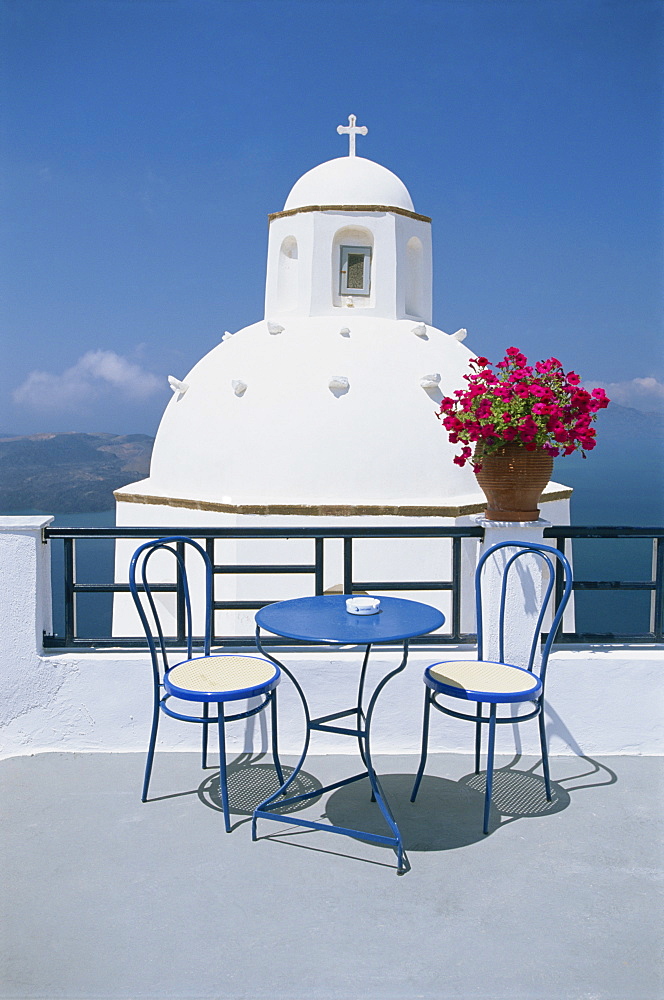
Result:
pixel 324 410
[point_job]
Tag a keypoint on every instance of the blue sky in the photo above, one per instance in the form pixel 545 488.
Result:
pixel 144 142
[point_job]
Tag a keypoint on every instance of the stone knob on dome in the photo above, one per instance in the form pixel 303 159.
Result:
pixel 178 386
pixel 339 383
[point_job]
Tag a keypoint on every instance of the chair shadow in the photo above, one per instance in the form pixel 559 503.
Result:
pixel 250 782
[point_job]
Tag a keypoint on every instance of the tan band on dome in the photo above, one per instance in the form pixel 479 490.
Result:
pixel 349 208
pixel 326 509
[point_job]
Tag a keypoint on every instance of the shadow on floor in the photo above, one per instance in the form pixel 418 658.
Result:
pixel 250 782
pixel 447 813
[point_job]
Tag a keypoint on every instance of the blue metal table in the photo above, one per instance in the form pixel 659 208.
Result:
pixel 325 620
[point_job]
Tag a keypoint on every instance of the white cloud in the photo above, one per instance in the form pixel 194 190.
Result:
pixel 95 374
pixel 645 394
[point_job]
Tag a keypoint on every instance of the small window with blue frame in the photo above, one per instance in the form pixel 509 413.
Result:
pixel 355 270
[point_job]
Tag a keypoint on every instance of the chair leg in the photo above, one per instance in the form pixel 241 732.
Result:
pixel 489 766
pixel 206 712
pixel 223 780
pixel 275 747
pixel 425 742
pixel 151 749
pixel 478 738
pixel 545 753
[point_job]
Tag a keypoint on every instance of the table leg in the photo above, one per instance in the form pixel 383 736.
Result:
pixel 361 718
pixel 363 736
pixel 373 777
pixel 298 767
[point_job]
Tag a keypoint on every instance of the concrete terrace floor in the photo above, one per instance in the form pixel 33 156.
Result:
pixel 106 897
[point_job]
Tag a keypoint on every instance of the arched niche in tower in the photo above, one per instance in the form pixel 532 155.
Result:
pixel 415 306
pixel 352 269
pixel 288 275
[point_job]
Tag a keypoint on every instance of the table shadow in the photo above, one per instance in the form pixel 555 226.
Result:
pixel 447 814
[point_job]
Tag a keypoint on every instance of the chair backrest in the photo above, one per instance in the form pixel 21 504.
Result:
pixel 550 559
pixel 139 584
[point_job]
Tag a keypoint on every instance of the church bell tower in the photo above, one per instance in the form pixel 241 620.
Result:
pixel 349 242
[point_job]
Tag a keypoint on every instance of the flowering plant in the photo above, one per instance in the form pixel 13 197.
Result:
pixel 540 407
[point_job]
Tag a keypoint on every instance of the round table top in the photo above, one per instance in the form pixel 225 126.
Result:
pixel 325 619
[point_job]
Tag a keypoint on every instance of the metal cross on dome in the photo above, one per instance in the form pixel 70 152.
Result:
pixel 351 130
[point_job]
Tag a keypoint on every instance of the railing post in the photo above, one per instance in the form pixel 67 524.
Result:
pixel 209 548
pixel 319 548
pixel 657 598
pixel 456 589
pixel 180 602
pixel 69 596
pixel 348 565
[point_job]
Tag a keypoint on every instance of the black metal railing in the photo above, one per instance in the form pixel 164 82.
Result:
pixel 654 586
pixel 68 589
pixel 70 635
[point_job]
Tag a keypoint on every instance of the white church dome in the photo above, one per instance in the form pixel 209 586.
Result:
pixel 328 405
pixel 319 412
pixel 349 181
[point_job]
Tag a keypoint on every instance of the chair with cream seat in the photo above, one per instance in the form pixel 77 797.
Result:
pixel 208 679
pixel 492 683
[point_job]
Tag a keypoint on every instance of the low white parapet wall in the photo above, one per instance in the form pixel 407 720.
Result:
pixel 600 699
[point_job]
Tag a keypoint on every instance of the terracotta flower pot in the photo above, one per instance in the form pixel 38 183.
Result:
pixel 513 480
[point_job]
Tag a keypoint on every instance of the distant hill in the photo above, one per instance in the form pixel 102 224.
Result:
pixel 69 473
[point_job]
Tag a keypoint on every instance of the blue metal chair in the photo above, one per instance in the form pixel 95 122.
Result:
pixel 210 679
pixel 494 683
